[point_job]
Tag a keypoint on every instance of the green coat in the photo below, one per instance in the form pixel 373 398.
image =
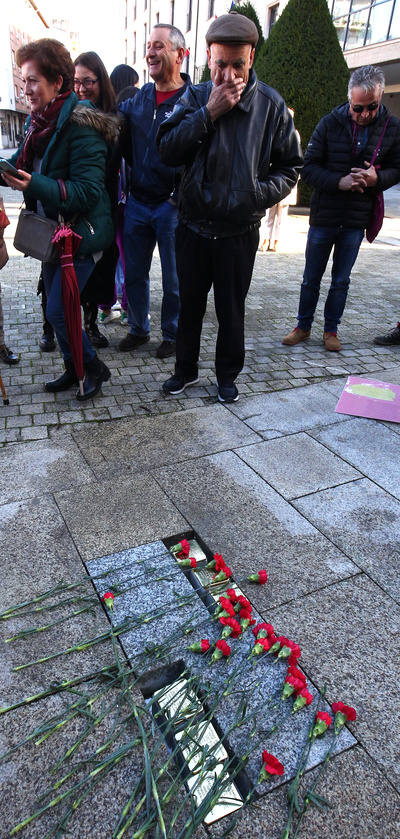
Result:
pixel 77 153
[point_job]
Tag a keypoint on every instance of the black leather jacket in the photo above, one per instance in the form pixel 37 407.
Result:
pixel 235 168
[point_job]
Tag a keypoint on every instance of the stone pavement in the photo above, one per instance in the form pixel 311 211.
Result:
pixel 277 480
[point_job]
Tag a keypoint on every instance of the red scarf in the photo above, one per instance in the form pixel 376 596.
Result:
pixel 41 129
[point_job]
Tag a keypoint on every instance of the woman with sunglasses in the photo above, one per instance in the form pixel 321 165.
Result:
pixel 92 83
pixel 61 166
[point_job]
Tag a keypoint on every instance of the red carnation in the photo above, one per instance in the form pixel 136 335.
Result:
pixel 244 603
pixel 263 629
pixel 108 600
pixel 227 607
pixel 294 682
pixel 182 549
pixel 219 562
pixel 231 627
pixel 260 577
pixel 304 697
pixel 188 562
pixel 271 766
pixel 349 712
pixel 222 575
pixel 262 645
pixel 200 646
pixel 222 649
pixel 323 721
pixel 231 593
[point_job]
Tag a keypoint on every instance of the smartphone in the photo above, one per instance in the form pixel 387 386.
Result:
pixel 5 166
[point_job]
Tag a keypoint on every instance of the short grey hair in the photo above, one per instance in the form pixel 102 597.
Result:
pixel 368 77
pixel 176 38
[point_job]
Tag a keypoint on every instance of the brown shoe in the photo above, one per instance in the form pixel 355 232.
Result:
pixel 332 342
pixel 295 336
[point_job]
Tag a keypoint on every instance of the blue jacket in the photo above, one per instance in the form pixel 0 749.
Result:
pixel 151 181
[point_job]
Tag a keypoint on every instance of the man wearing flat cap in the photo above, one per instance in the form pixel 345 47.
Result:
pixel 240 153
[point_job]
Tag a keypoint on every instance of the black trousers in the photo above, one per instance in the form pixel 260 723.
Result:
pixel 227 265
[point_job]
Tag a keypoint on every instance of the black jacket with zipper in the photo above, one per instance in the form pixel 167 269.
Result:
pixel 152 182
pixel 331 154
pixel 235 168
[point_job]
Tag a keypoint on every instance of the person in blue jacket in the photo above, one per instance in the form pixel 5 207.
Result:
pixel 151 214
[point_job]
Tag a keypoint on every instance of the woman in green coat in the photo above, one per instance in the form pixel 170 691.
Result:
pixel 61 166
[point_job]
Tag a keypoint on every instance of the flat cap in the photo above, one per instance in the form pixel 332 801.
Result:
pixel 232 28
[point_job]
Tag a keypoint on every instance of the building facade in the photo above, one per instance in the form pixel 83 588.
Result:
pixel 368 31
pixel 21 24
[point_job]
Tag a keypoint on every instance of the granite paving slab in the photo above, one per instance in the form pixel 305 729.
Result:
pixel 240 516
pixel 289 411
pixel 363 521
pixel 296 465
pixel 363 805
pixel 41 467
pixel 117 514
pixel 369 446
pixel 140 444
pixel 348 633
pixel 185 618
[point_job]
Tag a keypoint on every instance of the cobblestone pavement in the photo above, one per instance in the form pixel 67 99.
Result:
pixel 135 387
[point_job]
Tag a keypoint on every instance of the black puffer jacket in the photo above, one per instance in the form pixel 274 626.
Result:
pixel 329 158
pixel 235 168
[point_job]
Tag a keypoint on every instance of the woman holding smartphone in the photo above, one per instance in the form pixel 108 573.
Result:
pixel 61 170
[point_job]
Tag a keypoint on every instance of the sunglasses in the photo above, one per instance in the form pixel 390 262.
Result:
pixel 358 109
pixel 86 83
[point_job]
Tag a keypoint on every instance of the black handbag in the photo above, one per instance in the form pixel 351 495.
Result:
pixel 34 236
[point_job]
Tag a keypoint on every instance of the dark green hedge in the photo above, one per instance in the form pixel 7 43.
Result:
pixel 303 60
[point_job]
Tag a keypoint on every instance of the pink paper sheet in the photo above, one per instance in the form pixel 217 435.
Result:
pixel 370 398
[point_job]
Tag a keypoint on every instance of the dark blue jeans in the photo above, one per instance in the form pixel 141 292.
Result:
pixel 55 311
pixel 346 244
pixel 145 225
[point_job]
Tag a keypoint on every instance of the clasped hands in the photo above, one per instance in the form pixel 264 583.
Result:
pixel 358 179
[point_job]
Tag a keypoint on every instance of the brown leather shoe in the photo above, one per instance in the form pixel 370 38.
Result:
pixel 295 336
pixel 332 342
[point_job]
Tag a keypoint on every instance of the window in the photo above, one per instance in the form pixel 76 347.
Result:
pixel 172 11
pixel 134 48
pixel 395 23
pixel 145 5
pixel 210 8
pixel 273 16
pixel 157 18
pixel 189 16
pixel 361 22
pixel 145 41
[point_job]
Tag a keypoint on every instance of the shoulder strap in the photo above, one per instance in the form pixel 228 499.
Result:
pixel 376 152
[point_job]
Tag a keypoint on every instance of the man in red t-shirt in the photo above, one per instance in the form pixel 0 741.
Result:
pixel 151 215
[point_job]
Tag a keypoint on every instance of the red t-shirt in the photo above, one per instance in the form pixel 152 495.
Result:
pixel 162 95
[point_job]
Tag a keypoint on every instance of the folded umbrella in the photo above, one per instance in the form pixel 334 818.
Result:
pixel 67 241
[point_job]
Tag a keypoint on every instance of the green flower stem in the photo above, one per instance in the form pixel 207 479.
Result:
pixel 27 632
pixel 311 789
pixel 58 688
pixel 88 598
pixel 294 785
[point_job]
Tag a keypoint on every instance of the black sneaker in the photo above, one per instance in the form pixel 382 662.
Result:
pixel 177 383
pixel 166 349
pixel 391 338
pixel 95 336
pixel 132 342
pixel 228 393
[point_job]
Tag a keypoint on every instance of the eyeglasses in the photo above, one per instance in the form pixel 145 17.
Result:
pixel 85 83
pixel 358 109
